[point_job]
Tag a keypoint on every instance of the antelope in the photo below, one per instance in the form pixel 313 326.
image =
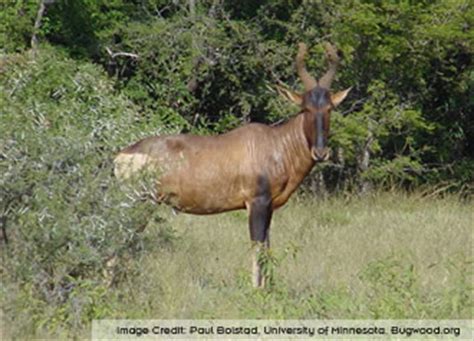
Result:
pixel 254 167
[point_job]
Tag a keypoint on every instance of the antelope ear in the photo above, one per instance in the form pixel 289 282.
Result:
pixel 290 95
pixel 338 97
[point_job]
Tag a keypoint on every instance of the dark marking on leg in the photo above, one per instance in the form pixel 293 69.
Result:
pixel 259 220
pixel 260 211
pixel 260 215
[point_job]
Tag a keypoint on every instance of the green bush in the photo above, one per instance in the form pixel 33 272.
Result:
pixel 65 215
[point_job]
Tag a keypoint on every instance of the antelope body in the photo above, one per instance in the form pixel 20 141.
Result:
pixel 256 166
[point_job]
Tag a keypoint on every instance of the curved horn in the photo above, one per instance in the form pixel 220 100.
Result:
pixel 308 81
pixel 333 59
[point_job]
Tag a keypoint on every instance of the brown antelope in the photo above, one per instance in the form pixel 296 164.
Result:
pixel 256 167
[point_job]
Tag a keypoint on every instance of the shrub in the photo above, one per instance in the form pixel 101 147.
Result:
pixel 64 214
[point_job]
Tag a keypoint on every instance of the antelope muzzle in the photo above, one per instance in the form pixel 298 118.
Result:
pixel 320 154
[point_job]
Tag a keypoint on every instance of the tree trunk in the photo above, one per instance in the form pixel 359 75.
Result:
pixel 365 185
pixel 3 223
pixel 318 185
pixel 192 9
pixel 39 17
pixel 340 161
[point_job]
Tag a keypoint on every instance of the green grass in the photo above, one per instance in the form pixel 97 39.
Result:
pixel 386 256
pixel 382 256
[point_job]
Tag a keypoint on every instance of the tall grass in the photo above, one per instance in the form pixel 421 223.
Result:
pixel 383 256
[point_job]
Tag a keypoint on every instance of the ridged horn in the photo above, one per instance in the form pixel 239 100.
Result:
pixel 308 81
pixel 333 60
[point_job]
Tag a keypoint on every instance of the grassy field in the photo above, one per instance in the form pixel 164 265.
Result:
pixel 386 256
pixel 382 256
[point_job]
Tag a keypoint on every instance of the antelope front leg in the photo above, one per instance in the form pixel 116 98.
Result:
pixel 258 278
pixel 260 215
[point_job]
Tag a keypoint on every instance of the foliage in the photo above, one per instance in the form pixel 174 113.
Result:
pixel 209 66
pixel 64 215
pixel 16 25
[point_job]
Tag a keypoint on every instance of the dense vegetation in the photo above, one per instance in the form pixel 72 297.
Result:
pixel 81 79
pixel 209 66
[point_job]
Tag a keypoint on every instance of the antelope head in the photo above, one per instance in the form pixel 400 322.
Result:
pixel 317 101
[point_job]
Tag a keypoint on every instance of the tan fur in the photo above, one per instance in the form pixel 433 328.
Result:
pixel 128 164
pixel 212 174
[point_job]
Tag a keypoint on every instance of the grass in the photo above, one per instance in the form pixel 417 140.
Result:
pixel 389 255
